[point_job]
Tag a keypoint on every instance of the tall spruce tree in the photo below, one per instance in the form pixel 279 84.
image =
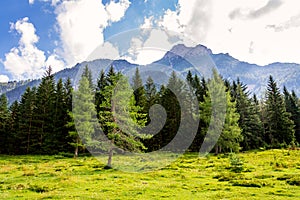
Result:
pixel 44 112
pixel 84 114
pixel 13 127
pixel 292 106
pixel 99 98
pixel 279 128
pixel 4 119
pixel 117 102
pixel 230 137
pixel 139 91
pixel 88 74
pixel 249 121
pixel 216 107
pixel 28 137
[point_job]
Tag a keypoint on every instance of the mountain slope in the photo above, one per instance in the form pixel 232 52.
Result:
pixel 182 59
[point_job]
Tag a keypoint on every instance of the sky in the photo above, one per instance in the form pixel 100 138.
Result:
pixel 35 34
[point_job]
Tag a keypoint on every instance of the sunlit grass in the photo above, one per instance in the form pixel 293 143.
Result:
pixel 272 174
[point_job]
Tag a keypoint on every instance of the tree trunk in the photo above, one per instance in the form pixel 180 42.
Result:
pixel 76 148
pixel 110 154
pixel 216 150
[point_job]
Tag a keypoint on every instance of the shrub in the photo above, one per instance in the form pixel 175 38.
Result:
pixel 236 164
pixel 294 181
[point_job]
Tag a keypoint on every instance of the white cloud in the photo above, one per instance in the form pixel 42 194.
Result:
pixel 81 25
pixel 26 61
pixel 269 29
pixel 53 2
pixel 4 79
pixel 154 42
pixel 148 22
pixel 106 50
pixel 117 10
pixel 191 18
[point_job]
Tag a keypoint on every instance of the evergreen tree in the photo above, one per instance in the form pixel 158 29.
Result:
pixel 99 98
pixel 59 136
pixel 151 99
pixel 44 112
pixel 84 115
pixel 150 92
pixel 4 119
pixel 279 129
pixel 231 134
pixel 13 126
pixel 292 106
pixel 218 105
pixel 88 74
pixel 139 90
pixel 169 101
pixel 249 121
pixel 27 138
pixel 69 121
pixel 118 113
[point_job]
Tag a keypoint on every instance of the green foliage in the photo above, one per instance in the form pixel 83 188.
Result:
pixel 249 121
pixel 279 128
pixel 236 164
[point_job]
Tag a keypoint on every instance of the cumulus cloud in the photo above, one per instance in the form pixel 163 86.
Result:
pixel 252 14
pixel 191 18
pixel 106 50
pixel 81 24
pixel 260 40
pixel 4 79
pixel 26 61
pixel 156 43
pixel 117 10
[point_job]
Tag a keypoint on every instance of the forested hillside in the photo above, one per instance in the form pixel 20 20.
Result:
pixel 42 122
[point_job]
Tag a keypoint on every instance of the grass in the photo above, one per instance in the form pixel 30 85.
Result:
pixel 272 174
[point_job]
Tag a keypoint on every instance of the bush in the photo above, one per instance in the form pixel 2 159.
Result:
pixel 236 164
pixel 248 183
pixel 294 181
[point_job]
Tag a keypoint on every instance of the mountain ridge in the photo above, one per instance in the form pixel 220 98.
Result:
pixel 182 58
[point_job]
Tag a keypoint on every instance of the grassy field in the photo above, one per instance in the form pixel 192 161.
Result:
pixel 272 174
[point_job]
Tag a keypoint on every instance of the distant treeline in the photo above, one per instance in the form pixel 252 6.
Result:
pixel 42 122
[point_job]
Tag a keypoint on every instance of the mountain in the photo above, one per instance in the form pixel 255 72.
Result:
pixel 182 58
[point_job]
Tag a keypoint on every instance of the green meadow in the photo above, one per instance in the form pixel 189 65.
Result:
pixel 271 174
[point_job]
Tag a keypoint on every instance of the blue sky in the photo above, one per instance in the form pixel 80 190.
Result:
pixel 60 33
pixel 42 15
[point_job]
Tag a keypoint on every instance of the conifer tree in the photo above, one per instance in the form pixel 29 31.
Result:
pixel 28 137
pixel 99 98
pixel 119 116
pixel 44 112
pixel 231 134
pixel 292 106
pixel 279 129
pixel 84 114
pixel 13 126
pixel 249 121
pixel 4 119
pixel 139 92
pixel 216 107
pixel 88 74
